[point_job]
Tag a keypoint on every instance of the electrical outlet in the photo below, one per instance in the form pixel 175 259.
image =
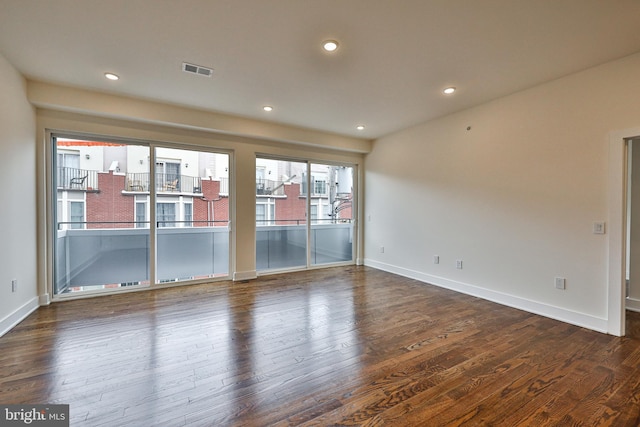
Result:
pixel 459 264
pixel 598 228
pixel 14 285
pixel 561 283
pixel 436 259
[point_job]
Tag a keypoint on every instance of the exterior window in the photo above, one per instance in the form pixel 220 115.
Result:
pixel 141 214
pixel 188 215
pixel 319 187
pixel 76 215
pixel 166 214
pixel 314 213
pixel 266 212
pixel 261 214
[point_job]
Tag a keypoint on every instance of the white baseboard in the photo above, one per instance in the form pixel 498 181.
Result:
pixel 18 315
pixel 556 313
pixel 44 299
pixel 244 275
pixel 632 304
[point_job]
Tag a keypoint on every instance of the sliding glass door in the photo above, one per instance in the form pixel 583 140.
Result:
pixel 304 214
pixel 331 214
pixel 97 243
pixel 192 215
pixel 281 214
pixel 133 215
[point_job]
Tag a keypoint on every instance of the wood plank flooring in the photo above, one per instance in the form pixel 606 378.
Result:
pixel 348 346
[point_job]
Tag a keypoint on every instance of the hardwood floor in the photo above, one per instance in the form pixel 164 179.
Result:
pixel 632 324
pixel 341 346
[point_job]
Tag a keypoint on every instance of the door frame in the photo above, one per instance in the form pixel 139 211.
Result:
pixel 617 218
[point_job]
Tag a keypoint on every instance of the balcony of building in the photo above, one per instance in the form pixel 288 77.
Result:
pixel 77 179
pixel 97 258
pixel 165 183
pixel 269 187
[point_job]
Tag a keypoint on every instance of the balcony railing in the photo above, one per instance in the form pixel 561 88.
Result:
pixel 164 183
pixel 268 187
pixel 224 186
pixel 106 256
pixel 102 257
pixel 280 246
pixel 77 179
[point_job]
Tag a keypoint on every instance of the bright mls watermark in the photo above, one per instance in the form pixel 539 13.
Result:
pixel 34 415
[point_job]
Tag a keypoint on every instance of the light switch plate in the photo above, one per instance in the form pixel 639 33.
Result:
pixel 599 228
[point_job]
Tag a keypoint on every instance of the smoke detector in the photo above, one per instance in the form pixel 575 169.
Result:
pixel 197 69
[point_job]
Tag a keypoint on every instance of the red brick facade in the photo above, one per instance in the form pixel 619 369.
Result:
pixel 211 199
pixel 292 207
pixel 104 208
pixel 108 205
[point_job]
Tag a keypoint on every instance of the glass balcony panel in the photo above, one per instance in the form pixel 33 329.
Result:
pixel 192 253
pixel 101 258
pixel 281 246
pixel 331 243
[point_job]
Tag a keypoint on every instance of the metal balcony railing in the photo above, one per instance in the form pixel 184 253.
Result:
pixel 77 179
pixel 268 187
pixel 164 183
pixel 224 186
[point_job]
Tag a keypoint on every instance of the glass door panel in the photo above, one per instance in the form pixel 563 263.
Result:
pixel 331 238
pixel 281 214
pixel 97 243
pixel 192 214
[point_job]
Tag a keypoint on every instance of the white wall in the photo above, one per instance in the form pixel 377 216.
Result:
pixel 514 197
pixel 18 195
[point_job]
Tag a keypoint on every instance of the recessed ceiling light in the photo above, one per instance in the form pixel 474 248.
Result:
pixel 449 90
pixel 111 76
pixel 360 127
pixel 267 108
pixel 330 45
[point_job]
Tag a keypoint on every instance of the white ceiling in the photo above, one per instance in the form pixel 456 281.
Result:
pixel 394 60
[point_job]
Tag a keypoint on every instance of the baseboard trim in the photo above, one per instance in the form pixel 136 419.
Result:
pixel 632 304
pixel 10 321
pixel 44 299
pixel 244 275
pixel 553 312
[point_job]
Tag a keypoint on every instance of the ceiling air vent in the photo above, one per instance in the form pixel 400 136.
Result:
pixel 196 69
